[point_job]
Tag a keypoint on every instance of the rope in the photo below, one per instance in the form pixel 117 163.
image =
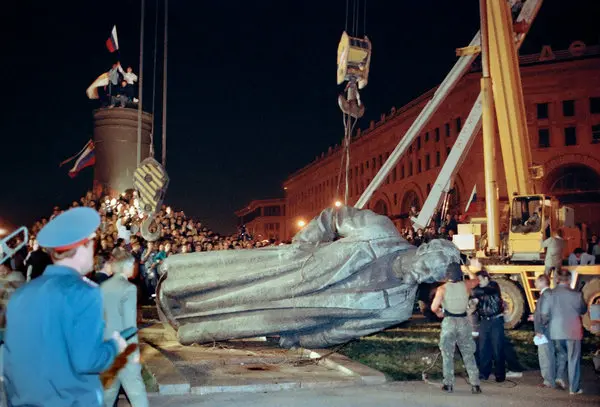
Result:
pixel 347 7
pixel 365 19
pixel 348 130
pixel 154 79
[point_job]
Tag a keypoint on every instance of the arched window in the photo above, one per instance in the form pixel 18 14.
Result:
pixel 572 179
pixel 410 199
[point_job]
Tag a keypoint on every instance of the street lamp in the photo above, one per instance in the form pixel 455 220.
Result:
pixel 338 204
pixel 3 231
pixel 301 223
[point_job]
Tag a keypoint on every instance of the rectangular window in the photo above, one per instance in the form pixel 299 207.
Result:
pixel 447 125
pixel 544 138
pixel 419 166
pixel 448 151
pixel 542 110
pixel 395 198
pixel 362 169
pixel 427 162
pixel 374 166
pixel 437 158
pixel 402 171
pixel 410 169
pixel 437 134
pixel 570 136
pixel 458 125
pixel 380 160
pixel 595 105
pixel 367 164
pixel 596 134
pixel 418 143
pixel 410 149
pixel 426 137
pixel 568 108
pixel 394 174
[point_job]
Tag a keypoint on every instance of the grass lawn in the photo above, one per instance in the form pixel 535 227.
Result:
pixel 403 352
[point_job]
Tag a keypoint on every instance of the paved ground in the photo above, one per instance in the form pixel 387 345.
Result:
pixel 394 394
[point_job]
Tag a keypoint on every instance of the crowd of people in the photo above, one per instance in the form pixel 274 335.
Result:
pixel 120 228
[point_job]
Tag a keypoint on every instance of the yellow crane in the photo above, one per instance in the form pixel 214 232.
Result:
pixel 517 259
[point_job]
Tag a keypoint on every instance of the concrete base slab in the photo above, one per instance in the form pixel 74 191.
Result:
pixel 245 366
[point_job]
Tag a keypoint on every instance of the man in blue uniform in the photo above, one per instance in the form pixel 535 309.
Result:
pixel 54 342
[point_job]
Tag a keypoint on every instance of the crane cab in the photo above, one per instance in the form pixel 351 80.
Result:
pixel 353 60
pixel 533 218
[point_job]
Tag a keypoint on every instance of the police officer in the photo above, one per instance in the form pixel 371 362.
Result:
pixel 54 347
pixel 453 297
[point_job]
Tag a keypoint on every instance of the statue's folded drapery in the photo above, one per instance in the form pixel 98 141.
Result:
pixel 348 273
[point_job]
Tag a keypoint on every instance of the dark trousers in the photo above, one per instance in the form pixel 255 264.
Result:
pixel 491 347
pixel 512 361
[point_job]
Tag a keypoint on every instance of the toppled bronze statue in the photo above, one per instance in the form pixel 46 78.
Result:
pixel 348 273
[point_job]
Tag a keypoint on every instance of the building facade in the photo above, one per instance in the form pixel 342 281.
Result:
pixel 562 101
pixel 264 219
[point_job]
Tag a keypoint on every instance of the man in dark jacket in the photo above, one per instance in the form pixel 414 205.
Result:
pixel 36 261
pixel 491 327
pixel 541 328
pixel 562 310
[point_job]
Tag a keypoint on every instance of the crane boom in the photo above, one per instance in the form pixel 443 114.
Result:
pixel 469 131
pixel 508 100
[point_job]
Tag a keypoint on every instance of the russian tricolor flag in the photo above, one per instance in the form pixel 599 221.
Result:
pixel 113 42
pixel 472 198
pixel 85 158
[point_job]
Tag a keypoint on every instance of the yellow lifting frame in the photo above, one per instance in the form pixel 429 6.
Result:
pixel 508 100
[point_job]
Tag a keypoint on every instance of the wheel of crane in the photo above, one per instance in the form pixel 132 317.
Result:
pixel 591 295
pixel 514 303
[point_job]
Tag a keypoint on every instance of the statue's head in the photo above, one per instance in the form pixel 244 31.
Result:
pixel 427 264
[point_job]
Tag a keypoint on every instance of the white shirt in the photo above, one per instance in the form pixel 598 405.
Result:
pixel 129 77
pixel 585 259
pixel 554 253
pixel 122 232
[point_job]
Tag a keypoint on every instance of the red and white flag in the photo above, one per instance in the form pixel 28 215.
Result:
pixel 85 158
pixel 472 199
pixel 113 42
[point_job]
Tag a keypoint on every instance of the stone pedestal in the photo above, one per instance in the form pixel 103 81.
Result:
pixel 115 137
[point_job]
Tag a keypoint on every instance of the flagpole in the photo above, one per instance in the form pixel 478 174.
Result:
pixel 140 86
pixel 164 110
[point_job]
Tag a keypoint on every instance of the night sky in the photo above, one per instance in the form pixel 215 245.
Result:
pixel 251 87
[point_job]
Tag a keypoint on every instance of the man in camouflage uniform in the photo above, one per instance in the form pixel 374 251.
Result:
pixel 451 302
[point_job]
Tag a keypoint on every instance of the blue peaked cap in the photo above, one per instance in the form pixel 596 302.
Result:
pixel 69 229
